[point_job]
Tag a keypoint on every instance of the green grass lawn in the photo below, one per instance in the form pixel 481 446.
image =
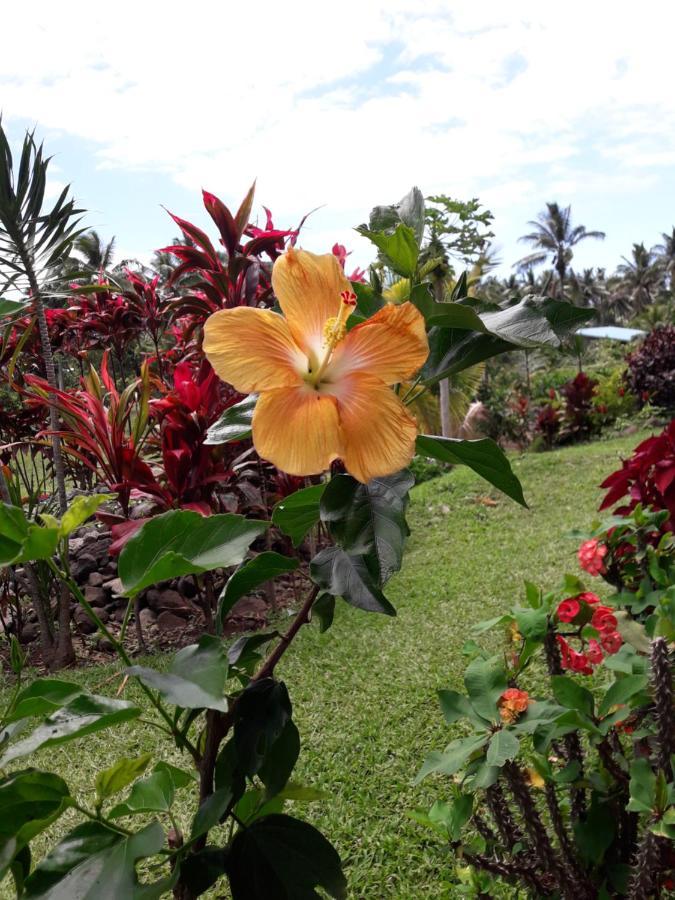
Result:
pixel 364 692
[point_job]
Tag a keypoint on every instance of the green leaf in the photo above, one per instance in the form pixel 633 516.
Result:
pixel 632 632
pixel 29 802
pixel 154 793
pixel 281 857
pixel 263 711
pixel 94 863
pixel 595 834
pixel 572 695
pixel 298 513
pixel 456 706
pixel 201 870
pixel 349 577
pixel 23 541
pixel 210 812
pixel 280 760
pixel 114 779
pixel 234 424
pixel 83 715
pixel 196 678
pixel 445 315
pixel 81 509
pixel 532 623
pixel 642 786
pixel 483 456
pixel 453 758
pixel 13 308
pixel 454 815
pixel 504 745
pixel 243 652
pixel 182 542
pixel 399 248
pixel 43 696
pixel 485 681
pixel 368 520
pixel 621 691
pixel 250 575
pixel 324 610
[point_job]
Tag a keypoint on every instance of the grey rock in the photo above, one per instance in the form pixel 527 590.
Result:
pixel 83 621
pixel 97 596
pixel 96 579
pixel 114 586
pixel 83 566
pixel 147 617
pixel 30 632
pixel 160 601
pixel 167 621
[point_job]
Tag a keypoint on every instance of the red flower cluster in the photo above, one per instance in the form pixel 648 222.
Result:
pixel 591 557
pixel 512 704
pixel 576 609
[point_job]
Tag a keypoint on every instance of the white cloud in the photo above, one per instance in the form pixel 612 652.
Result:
pixel 503 100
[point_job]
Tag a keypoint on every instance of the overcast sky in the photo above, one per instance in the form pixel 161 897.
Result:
pixel 345 105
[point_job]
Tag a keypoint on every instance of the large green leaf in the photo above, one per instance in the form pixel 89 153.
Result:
pixel 43 696
pixel 154 793
pixel 572 695
pixel 118 776
pixel 29 802
pixel 533 322
pixel 400 248
pixel 94 863
pixel 83 715
pixel 182 542
pixel 11 308
pixel 81 508
pixel 234 424
pixel 283 858
pixel 485 682
pixel 368 520
pixel 483 456
pixel 22 540
pixel 349 577
pixel 196 678
pixel 503 746
pixel 296 514
pixel 250 575
pixel 453 758
pixel 623 689
pixel 445 315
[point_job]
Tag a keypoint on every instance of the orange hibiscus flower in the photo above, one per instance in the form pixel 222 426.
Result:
pixel 324 392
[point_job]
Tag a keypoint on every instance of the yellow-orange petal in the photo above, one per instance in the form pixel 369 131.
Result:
pixel 252 349
pixel 308 288
pixel 392 345
pixel 297 429
pixel 378 433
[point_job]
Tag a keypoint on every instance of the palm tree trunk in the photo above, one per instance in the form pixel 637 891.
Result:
pixel 444 402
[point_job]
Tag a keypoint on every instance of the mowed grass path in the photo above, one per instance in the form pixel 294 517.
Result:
pixel 364 692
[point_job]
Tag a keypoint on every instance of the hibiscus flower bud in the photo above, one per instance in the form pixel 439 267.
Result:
pixel 611 641
pixel 603 619
pixel 591 555
pixel 568 610
pixel 513 703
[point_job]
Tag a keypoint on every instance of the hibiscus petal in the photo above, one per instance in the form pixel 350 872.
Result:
pixel 252 349
pixel 297 429
pixel 392 345
pixel 308 288
pixel 378 433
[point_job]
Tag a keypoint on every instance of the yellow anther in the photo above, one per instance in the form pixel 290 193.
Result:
pixel 333 331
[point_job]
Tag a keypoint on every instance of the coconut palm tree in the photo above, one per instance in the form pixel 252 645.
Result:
pixel 665 253
pixel 97 256
pixel 553 239
pixel 639 279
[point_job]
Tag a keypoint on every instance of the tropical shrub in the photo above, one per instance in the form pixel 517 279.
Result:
pixel 563 779
pixel 647 477
pixel 651 368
